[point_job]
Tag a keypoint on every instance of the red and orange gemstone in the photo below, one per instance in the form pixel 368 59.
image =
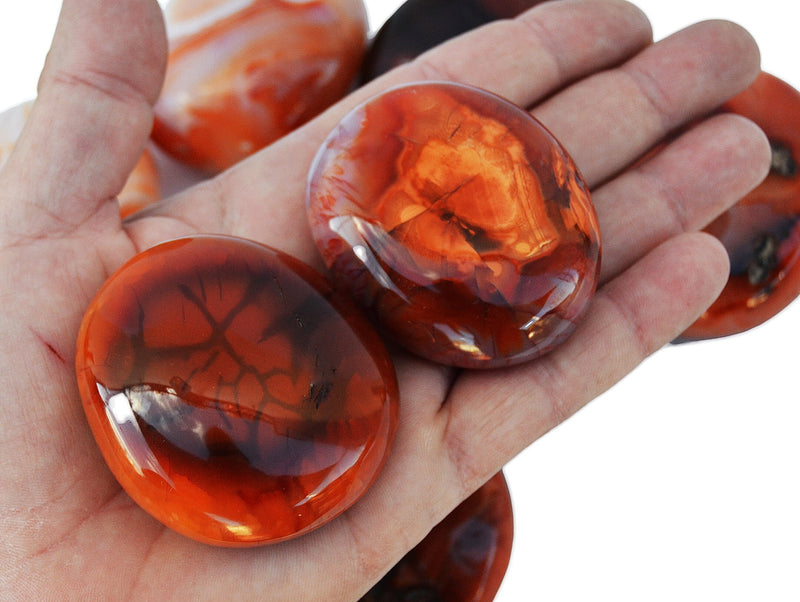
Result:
pixel 463 559
pixel 459 222
pixel 234 396
pixel 242 73
pixel 762 231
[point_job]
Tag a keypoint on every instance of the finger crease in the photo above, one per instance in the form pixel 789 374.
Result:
pixel 654 93
pixel 618 304
pixel 433 70
pixel 670 197
pixel 553 381
pixel 105 83
pixel 545 38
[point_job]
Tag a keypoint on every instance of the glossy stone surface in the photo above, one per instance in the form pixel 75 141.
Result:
pixel 463 559
pixel 233 395
pixel 419 25
pixel 762 231
pixel 142 188
pixel 242 73
pixel 458 221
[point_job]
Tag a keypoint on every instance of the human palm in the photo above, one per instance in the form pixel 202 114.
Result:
pixel 588 71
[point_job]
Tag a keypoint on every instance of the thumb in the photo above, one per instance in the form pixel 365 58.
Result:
pixel 92 116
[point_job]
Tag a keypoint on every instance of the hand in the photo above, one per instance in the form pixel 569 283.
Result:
pixel 588 71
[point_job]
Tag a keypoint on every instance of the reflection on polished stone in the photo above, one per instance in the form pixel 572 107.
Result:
pixel 234 396
pixel 458 222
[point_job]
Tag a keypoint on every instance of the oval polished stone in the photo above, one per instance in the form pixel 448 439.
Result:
pixel 419 25
pixel 234 396
pixel 762 231
pixel 242 73
pixel 459 221
pixel 463 559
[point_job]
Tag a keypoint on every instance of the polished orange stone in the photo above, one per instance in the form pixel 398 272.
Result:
pixel 234 396
pixel 762 231
pixel 242 73
pixel 463 559
pixel 458 221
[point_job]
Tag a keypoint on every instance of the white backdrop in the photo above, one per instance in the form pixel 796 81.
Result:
pixel 682 482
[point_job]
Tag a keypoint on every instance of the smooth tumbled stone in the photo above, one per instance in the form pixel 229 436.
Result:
pixel 458 221
pixel 243 73
pixel 234 396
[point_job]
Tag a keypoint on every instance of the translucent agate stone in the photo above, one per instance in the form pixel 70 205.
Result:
pixel 762 231
pixel 463 559
pixel 234 396
pixel 458 221
pixel 242 73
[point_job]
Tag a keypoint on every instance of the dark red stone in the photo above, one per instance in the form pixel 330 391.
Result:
pixel 419 25
pixel 458 221
pixel 234 396
pixel 463 559
pixel 762 231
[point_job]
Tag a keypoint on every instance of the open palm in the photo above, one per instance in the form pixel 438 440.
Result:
pixel 586 68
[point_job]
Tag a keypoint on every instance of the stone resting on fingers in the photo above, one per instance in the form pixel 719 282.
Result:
pixel 587 69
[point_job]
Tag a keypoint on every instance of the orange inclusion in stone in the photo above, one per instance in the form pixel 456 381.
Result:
pixel 459 221
pixel 234 396
pixel 241 74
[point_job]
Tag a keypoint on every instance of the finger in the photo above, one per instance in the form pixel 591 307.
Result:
pixel 489 417
pixel 263 198
pixel 92 116
pixel 682 188
pixel 608 120
pixel 542 50
pixel 492 416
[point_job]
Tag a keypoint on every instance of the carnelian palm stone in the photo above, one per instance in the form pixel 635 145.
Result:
pixel 234 396
pixel 458 221
pixel 243 73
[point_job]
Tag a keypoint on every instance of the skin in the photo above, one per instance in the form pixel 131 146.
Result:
pixel 70 532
